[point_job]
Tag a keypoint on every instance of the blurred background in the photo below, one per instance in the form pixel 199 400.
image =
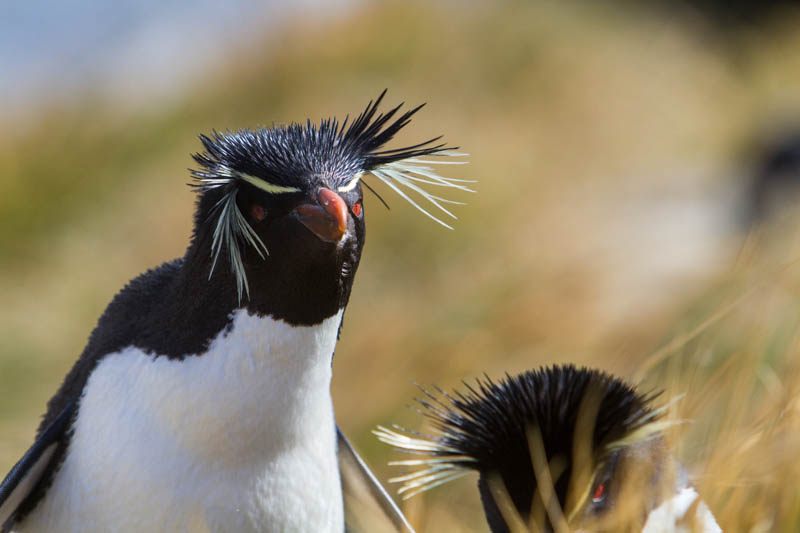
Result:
pixel 638 166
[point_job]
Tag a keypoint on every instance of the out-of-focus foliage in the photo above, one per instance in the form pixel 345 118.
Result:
pixel 606 230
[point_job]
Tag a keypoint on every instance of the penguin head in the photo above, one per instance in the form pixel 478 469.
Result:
pixel 285 205
pixel 558 446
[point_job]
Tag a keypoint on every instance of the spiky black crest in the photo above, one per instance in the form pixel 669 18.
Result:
pixel 296 154
pixel 487 426
pixel 300 158
pixel 490 420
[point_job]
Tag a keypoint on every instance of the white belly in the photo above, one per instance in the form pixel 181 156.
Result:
pixel 241 438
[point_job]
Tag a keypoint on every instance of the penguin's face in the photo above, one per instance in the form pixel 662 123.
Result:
pixel 289 245
pixel 312 236
pixel 318 224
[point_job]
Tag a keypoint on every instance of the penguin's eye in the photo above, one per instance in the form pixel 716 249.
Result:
pixel 258 213
pixel 599 494
pixel 357 208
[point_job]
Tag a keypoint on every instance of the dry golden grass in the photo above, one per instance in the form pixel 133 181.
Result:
pixel 604 232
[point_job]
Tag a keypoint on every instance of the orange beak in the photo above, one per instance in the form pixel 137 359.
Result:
pixel 327 219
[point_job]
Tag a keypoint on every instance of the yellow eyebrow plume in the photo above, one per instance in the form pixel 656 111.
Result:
pixel 351 184
pixel 265 185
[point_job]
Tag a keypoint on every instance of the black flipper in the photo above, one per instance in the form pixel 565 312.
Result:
pixel 367 505
pixel 24 477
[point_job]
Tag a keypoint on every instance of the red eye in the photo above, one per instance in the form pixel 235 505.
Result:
pixel 357 209
pixel 599 493
pixel 257 212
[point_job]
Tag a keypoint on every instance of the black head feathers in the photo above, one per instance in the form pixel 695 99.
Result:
pixel 564 415
pixel 299 159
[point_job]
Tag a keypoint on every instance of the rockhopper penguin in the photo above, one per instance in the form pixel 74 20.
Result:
pixel 558 449
pixel 202 399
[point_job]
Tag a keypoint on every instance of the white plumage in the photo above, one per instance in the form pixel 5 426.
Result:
pixel 241 438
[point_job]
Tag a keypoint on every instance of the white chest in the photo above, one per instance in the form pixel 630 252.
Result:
pixel 241 438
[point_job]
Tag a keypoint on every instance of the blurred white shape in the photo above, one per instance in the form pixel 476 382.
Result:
pixel 671 516
pixel 132 51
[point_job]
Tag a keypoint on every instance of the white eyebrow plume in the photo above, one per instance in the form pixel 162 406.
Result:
pixel 231 225
pixel 413 173
pixel 437 470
